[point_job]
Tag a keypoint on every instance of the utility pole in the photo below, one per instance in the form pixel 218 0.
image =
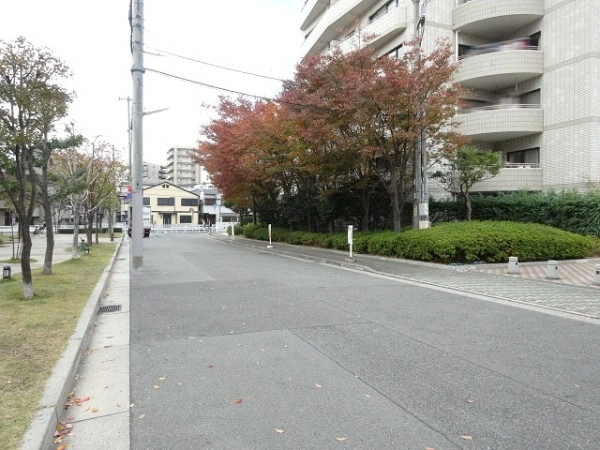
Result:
pixel 137 74
pixel 421 198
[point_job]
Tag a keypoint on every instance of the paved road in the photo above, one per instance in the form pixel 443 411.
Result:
pixel 234 347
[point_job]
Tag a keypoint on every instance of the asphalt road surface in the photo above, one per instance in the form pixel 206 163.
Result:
pixel 236 348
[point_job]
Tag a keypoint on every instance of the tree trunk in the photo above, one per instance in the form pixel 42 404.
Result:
pixel 26 260
pixel 469 207
pixel 366 202
pixel 111 231
pixel 47 269
pixel 74 248
pixel 89 227
pixel 396 209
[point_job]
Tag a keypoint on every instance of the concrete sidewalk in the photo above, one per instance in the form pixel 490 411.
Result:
pixel 107 340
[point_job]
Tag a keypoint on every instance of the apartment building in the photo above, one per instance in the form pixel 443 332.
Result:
pixel 153 174
pixel 182 171
pixel 532 68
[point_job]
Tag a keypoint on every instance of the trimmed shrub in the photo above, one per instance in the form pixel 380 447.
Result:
pixel 462 242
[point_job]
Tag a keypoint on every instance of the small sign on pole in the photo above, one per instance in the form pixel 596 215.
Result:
pixel 350 238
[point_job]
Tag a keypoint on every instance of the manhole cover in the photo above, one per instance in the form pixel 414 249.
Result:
pixel 109 309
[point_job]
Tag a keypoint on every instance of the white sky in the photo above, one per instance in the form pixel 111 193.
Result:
pixel 92 38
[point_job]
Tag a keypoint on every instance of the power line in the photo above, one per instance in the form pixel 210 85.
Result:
pixel 232 91
pixel 214 65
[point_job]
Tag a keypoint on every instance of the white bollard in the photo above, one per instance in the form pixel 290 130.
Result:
pixel 596 279
pixel 552 270
pixel 513 265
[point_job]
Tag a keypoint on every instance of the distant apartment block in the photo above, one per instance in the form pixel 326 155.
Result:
pixel 153 174
pixel 182 171
pixel 532 68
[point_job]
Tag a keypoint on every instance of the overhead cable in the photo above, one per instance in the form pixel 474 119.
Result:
pixel 232 91
pixel 213 65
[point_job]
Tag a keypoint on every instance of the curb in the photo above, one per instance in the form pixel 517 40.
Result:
pixel 40 434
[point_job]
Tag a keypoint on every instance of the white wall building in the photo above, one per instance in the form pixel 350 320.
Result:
pixel 153 174
pixel 182 171
pixel 532 68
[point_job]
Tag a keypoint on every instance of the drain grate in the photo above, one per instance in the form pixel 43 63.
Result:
pixel 109 309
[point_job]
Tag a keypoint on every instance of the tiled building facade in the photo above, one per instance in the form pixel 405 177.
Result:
pixel 532 68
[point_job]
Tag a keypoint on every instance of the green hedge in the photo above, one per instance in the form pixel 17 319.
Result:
pixel 577 212
pixel 461 242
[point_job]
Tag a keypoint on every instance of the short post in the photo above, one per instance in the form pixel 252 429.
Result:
pixel 596 279
pixel 513 265
pixel 270 245
pixel 350 238
pixel 232 230
pixel 350 243
pixel 6 273
pixel 552 270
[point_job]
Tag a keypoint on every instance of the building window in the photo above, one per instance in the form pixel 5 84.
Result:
pixel 189 202
pixel 384 10
pixel 185 219
pixel 529 156
pixel 166 201
pixel 146 201
pixel 396 52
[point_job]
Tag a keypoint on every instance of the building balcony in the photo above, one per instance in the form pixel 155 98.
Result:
pixel 513 177
pixel 499 69
pixel 311 10
pixel 494 19
pixel 380 31
pixel 501 122
pixel 339 16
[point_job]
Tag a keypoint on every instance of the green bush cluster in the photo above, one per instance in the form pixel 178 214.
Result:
pixel 577 212
pixel 462 242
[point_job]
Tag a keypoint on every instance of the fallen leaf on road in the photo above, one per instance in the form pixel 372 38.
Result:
pixel 210 367
pixel 367 395
pixel 467 437
pixel 94 410
pixel 318 385
pixel 156 387
pixel 237 400
pixel 577 386
pixel 71 418
pixel 429 448
pixel 278 430
pixel 142 416
pixel 340 439
pixel 469 401
pixel 161 378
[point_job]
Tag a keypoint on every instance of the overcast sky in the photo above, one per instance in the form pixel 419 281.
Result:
pixel 259 36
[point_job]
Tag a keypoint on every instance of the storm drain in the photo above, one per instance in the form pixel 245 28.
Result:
pixel 109 309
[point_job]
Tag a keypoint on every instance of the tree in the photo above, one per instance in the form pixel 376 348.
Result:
pixel 48 190
pixel 465 168
pixel 31 100
pixel 378 107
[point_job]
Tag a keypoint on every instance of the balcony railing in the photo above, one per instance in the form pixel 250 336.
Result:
pixel 501 122
pixel 493 18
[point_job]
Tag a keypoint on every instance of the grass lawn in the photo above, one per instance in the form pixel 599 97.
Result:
pixel 34 333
